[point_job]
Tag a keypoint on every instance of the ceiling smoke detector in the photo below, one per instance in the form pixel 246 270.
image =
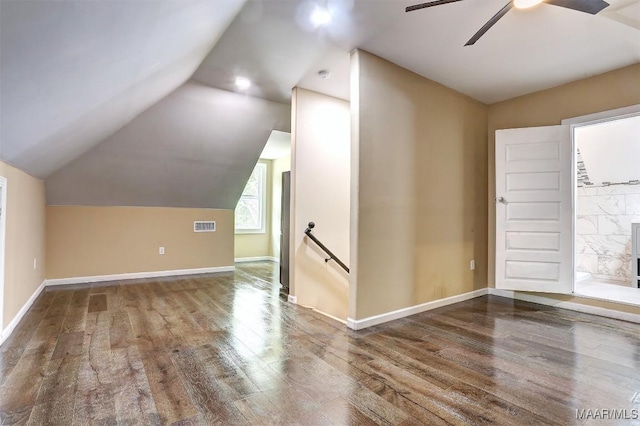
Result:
pixel 324 74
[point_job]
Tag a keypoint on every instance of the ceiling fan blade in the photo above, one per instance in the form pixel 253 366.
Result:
pixel 490 23
pixel 428 4
pixel 587 6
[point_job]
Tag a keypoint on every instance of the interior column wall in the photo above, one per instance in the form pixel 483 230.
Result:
pixel 320 175
pixel 420 201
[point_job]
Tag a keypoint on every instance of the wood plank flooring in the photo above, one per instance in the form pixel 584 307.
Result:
pixel 227 349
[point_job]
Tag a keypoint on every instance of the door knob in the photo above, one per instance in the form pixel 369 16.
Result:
pixel 502 200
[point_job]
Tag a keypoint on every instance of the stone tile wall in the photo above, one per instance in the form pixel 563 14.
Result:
pixel 603 230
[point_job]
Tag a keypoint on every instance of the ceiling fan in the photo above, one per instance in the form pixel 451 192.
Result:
pixel 587 6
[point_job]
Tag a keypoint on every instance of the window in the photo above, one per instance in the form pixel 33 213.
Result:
pixel 250 211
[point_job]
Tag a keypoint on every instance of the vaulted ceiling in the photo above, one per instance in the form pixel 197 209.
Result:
pixel 194 148
pixel 94 91
pixel 75 71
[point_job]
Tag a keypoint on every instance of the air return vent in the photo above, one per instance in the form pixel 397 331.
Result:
pixel 204 226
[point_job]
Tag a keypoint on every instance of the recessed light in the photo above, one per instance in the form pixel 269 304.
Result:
pixel 243 83
pixel 320 16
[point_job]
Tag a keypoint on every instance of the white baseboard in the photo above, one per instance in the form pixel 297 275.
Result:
pixel 98 278
pixel 412 310
pixel 572 306
pixel 330 316
pixel 351 323
pixel 256 259
pixel 21 313
pixel 134 275
pixel 294 300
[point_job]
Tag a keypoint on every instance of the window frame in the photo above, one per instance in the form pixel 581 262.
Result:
pixel 262 198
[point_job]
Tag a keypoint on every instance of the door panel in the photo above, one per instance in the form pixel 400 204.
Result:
pixel 533 241
pixel 531 211
pixel 533 181
pixel 534 222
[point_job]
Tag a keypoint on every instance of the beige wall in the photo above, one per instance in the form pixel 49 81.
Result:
pixel 320 171
pixel 280 165
pixel 258 245
pixel 615 89
pixel 25 239
pixel 87 241
pixel 420 149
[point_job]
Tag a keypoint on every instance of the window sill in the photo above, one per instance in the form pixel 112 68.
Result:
pixel 250 231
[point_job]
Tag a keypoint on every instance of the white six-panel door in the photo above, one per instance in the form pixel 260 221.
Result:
pixel 534 216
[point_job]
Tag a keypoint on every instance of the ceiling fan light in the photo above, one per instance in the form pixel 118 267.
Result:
pixel 525 4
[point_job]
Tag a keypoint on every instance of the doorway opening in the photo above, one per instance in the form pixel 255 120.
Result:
pixel 262 213
pixel 568 207
pixel 607 208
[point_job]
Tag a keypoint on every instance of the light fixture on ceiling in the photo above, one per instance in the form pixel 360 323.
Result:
pixel 320 16
pixel 243 83
pixel 592 7
pixel 324 74
pixel 526 4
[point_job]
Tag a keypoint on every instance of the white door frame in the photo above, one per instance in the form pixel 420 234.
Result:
pixel 3 233
pixel 586 120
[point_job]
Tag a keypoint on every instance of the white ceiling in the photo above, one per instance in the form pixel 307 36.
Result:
pixel 73 72
pixel 610 150
pixel 526 51
pixel 278 145
pixel 274 44
pixel 191 149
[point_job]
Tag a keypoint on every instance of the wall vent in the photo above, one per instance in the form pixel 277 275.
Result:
pixel 204 226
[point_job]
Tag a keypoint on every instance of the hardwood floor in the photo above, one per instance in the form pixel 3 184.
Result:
pixel 227 349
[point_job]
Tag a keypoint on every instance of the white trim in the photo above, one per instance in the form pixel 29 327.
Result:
pixel 575 122
pixel 572 306
pixel 21 313
pixel 97 278
pixel 599 117
pixel 256 259
pixel 317 310
pixel 574 206
pixel 3 247
pixel 133 275
pixel 292 299
pixel 340 320
pixel 412 310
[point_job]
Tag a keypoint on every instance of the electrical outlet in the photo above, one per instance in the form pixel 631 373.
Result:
pixel 161 250
pixel 472 265
pixel 35 263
